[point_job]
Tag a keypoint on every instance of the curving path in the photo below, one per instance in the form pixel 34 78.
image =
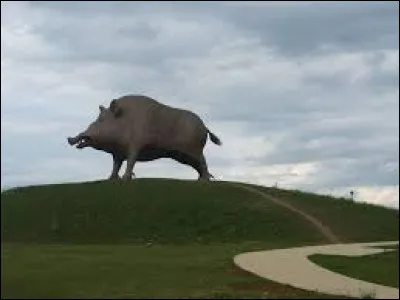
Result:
pixel 292 267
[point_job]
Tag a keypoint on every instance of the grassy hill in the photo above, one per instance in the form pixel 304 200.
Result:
pixel 93 239
pixel 351 221
pixel 172 211
pixel 161 211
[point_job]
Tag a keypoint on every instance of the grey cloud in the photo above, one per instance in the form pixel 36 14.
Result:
pixel 319 139
pixel 301 29
pixel 316 149
pixel 127 33
pixel 346 156
pixel 371 172
pixel 292 29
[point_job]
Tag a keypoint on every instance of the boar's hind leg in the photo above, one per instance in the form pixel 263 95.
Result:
pixel 130 163
pixel 199 164
pixel 185 159
pixel 117 163
pixel 203 169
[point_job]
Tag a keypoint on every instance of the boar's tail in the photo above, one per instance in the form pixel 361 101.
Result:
pixel 214 138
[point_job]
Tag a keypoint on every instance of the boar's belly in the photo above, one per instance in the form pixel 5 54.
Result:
pixel 151 153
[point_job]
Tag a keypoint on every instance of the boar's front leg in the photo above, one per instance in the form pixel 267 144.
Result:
pixel 117 163
pixel 130 163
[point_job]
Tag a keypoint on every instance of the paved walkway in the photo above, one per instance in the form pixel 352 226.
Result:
pixel 292 267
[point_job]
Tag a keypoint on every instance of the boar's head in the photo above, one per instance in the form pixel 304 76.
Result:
pixel 102 134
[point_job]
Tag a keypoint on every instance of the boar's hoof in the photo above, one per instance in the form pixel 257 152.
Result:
pixel 126 177
pixel 114 177
pixel 206 177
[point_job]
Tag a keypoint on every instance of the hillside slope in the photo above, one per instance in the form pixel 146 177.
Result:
pixel 183 212
pixel 351 221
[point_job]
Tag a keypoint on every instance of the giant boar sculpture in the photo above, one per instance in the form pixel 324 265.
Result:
pixel 139 128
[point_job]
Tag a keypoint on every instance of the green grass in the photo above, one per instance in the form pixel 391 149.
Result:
pixel 382 268
pixel 89 240
pixel 129 271
pixel 161 211
pixel 351 221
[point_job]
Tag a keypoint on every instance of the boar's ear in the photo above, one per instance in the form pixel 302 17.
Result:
pixel 117 111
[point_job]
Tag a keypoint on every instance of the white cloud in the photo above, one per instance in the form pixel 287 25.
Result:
pixel 390 61
pixel 285 175
pixel 386 195
pixel 379 195
pixel 56 170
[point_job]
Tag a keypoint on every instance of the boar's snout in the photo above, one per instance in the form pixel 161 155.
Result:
pixel 81 140
pixel 73 140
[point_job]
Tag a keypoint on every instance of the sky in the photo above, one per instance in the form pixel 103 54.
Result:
pixel 302 94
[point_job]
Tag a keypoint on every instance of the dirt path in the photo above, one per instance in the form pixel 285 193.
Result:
pixel 292 267
pixel 324 230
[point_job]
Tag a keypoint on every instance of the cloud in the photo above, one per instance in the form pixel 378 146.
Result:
pixel 308 29
pixel 378 195
pixel 24 128
pixel 303 94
